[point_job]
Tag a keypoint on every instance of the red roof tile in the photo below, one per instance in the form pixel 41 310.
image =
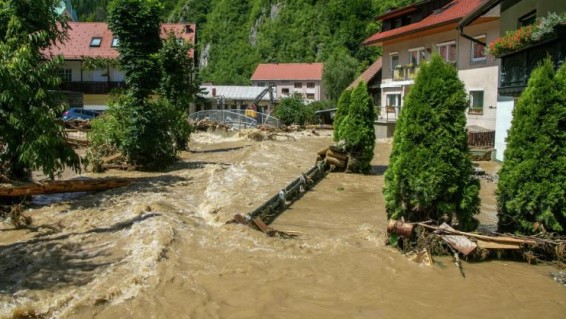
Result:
pixel 288 71
pixel 368 74
pixel 451 13
pixel 81 33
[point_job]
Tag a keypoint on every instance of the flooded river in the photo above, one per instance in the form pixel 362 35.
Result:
pixel 160 249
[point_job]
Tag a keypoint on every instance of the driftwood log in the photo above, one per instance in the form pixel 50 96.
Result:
pixel 68 186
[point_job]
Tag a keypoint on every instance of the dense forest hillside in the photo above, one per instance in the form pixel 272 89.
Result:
pixel 235 35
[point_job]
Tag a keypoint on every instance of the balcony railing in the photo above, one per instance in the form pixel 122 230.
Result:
pixel 516 67
pixel 405 73
pixel 388 114
pixel 92 87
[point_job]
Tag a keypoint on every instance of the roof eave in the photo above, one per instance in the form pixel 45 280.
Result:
pixel 379 42
pixel 478 12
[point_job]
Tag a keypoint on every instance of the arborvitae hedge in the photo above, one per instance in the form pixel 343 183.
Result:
pixel 341 111
pixel 430 170
pixel 357 130
pixel 532 185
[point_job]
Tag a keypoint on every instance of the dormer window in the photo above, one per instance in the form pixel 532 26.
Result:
pixel 95 42
pixel 115 42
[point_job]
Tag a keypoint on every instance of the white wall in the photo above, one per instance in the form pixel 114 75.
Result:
pixel 505 107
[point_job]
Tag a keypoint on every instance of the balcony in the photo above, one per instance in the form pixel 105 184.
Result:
pixel 92 87
pixel 516 67
pixel 403 73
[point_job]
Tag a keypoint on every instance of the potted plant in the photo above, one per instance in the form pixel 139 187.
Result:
pixel 398 72
pixel 411 70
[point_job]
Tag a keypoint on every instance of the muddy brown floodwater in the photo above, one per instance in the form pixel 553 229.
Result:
pixel 160 248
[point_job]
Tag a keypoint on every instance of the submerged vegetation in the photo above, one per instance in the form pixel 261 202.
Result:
pixel 148 132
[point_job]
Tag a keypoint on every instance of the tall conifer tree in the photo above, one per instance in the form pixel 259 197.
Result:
pixel 430 170
pixel 357 130
pixel 532 184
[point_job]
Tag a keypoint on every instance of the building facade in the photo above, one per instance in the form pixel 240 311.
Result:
pixel 91 88
pixel 411 34
pixel 517 64
pixel 288 79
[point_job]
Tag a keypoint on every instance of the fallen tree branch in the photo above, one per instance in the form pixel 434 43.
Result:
pixel 68 186
pixel 478 236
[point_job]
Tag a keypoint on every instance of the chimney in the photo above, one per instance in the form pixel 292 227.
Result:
pixel 188 28
pixel 213 92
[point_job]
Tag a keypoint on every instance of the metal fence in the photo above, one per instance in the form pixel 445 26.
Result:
pixel 236 119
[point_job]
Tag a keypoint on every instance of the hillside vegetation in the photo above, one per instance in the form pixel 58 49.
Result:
pixel 235 35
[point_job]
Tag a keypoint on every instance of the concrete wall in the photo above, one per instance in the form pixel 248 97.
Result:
pixel 509 17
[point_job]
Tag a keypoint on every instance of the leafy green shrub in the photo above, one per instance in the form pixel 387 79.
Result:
pixel 149 141
pixel 341 111
pixel 532 184
pixel 430 171
pixel 357 130
pixel 292 110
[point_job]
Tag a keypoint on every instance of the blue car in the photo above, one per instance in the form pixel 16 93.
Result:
pixel 77 113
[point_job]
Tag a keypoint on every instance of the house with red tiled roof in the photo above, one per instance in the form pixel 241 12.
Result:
pixel 91 88
pixel 291 78
pixel 411 34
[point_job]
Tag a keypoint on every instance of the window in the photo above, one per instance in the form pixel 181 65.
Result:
pixel 310 85
pixel 447 51
pixel 95 42
pixel 394 60
pixel 417 56
pixel 298 85
pixel 180 41
pixel 285 91
pixel 478 50
pixel 528 19
pixel 261 84
pixel 66 75
pixel 393 100
pixel 115 42
pixel 310 96
pixel 476 102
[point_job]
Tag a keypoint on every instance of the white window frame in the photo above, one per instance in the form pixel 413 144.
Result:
pixel 474 59
pixel 391 55
pixel 397 100
pixel 447 44
pixel 419 56
pixel 471 98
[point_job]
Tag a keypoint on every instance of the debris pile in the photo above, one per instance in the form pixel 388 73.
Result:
pixel 416 238
pixel 335 156
pixel 207 124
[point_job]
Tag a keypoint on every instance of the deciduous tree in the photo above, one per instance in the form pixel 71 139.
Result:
pixel 30 137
